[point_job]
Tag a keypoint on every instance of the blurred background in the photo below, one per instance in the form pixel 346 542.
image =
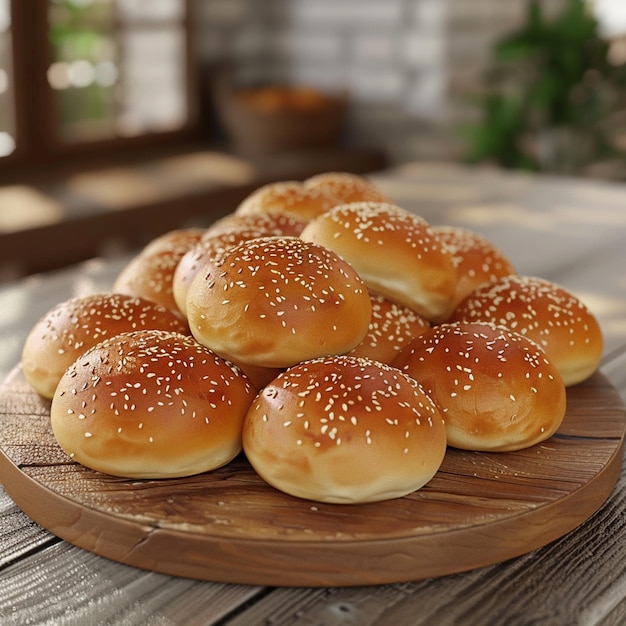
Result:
pixel 110 105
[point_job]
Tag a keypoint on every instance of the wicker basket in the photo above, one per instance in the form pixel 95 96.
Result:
pixel 273 119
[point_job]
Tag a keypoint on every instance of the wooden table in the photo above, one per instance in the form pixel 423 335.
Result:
pixel 570 231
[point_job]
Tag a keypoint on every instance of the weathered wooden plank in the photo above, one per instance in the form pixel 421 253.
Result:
pixel 614 368
pixel 19 534
pixel 575 580
pixel 75 587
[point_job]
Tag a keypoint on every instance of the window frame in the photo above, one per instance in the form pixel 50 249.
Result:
pixel 37 145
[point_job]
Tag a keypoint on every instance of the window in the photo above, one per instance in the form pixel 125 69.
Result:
pixel 86 75
pixel 611 16
pixel 7 121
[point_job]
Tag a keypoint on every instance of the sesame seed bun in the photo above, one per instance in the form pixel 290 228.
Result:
pixel 71 327
pixel 225 235
pixel 477 260
pixel 269 224
pixel 392 327
pixel 275 301
pixel 150 274
pixel 395 252
pixel 346 187
pixel 545 312
pixel 344 430
pixel 496 389
pixel 287 197
pixel 179 239
pixel 151 404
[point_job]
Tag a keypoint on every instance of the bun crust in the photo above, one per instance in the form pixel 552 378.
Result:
pixel 179 239
pixel 194 260
pixel 547 313
pixel 396 253
pixel 391 328
pixel 151 404
pixel 346 187
pixel 275 301
pixel 344 430
pixel 267 224
pixel 150 274
pixel 73 326
pixel 496 389
pixel 287 197
pixel 223 235
pixel 477 260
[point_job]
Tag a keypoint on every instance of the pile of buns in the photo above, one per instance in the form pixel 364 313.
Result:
pixel 337 340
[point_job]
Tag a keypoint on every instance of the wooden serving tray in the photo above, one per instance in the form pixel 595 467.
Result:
pixel 229 526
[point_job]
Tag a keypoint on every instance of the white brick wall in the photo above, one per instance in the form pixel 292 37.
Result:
pixel 221 13
pixel 302 46
pixel 408 65
pixel 425 49
pixel 348 14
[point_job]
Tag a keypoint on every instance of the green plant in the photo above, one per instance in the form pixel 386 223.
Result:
pixel 553 74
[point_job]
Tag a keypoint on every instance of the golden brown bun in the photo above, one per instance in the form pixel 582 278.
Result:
pixel 275 301
pixel 396 253
pixel 179 239
pixel 192 262
pixel 150 274
pixel 546 313
pixel 391 328
pixel 346 187
pixel 268 224
pixel 73 326
pixel 496 389
pixel 151 404
pixel 287 197
pixel 477 260
pixel 223 235
pixel 344 430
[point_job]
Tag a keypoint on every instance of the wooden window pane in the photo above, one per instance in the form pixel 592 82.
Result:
pixel 7 96
pixel 84 77
pixel 119 67
pixel 152 10
pixel 153 94
pixel 83 73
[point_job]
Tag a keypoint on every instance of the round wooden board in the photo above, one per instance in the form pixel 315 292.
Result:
pixel 229 526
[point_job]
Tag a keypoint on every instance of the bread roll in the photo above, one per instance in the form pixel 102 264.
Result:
pixel 194 262
pixel 267 224
pixel 150 274
pixel 73 326
pixel 477 260
pixel 391 327
pixel 346 187
pixel 275 301
pixel 225 235
pixel 496 389
pixel 151 404
pixel 178 239
pixel 545 312
pixel 344 430
pixel 395 252
pixel 287 197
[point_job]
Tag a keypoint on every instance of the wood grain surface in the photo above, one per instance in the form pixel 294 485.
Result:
pixel 229 526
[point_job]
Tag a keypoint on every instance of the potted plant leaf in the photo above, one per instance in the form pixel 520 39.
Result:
pixel 547 95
